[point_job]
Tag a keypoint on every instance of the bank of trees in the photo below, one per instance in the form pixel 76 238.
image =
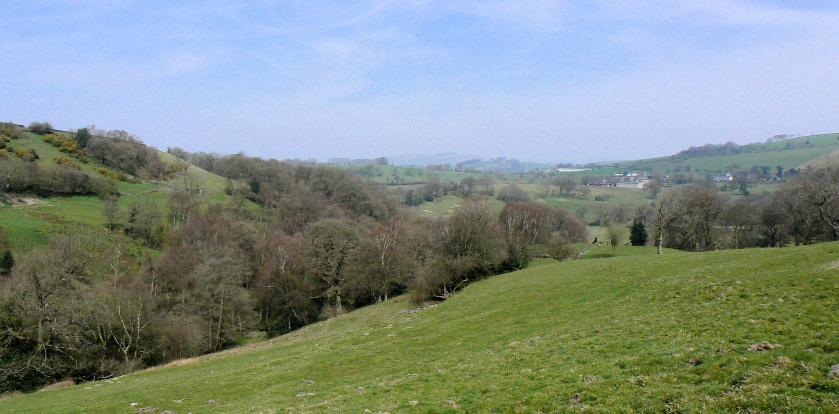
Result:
pixel 699 218
pixel 17 175
pixel 124 151
pixel 318 242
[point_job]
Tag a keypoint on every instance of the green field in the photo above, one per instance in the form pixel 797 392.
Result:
pixel 445 206
pixel 768 154
pixel 29 225
pixel 633 333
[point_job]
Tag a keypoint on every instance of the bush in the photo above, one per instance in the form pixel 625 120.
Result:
pixel 67 146
pixel 559 248
pixel 82 136
pixel 7 262
pixel 65 161
pixel 9 130
pixel 513 192
pixel 28 155
pixel 40 128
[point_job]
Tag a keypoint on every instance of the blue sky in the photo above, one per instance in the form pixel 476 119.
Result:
pixel 552 81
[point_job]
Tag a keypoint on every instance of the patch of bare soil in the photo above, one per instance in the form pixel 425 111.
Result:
pixel 57 385
pixel 15 200
pixel 763 346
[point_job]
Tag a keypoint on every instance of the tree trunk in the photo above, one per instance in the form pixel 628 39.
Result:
pixel 660 239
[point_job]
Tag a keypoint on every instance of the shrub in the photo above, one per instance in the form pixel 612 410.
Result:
pixel 513 192
pixel 27 155
pixel 82 136
pixel 65 161
pixel 40 128
pixel 559 248
pixel 7 262
pixel 119 176
pixel 9 130
pixel 66 145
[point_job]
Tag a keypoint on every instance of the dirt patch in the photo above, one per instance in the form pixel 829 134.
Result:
pixel 424 306
pixel 14 200
pixel 834 265
pixel 49 218
pixel 179 362
pixel 8 395
pixel 57 385
pixel 763 346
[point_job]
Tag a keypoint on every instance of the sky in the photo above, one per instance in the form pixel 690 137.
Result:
pixel 546 81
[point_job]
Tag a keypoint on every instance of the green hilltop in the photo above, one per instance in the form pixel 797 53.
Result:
pixel 787 153
pixel 639 333
pixel 29 219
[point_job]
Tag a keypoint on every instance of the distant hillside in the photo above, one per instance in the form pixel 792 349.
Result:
pixel 730 331
pixel 716 158
pixel 421 160
pixel 465 163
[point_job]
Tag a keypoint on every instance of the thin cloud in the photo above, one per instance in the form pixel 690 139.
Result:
pixel 542 80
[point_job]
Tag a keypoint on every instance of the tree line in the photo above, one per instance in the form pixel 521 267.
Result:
pixel 697 217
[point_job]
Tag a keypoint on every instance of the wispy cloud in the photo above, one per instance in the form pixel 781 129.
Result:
pixel 534 14
pixel 390 76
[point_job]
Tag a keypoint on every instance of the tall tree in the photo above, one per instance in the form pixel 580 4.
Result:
pixel 638 233
pixel 524 224
pixel 330 244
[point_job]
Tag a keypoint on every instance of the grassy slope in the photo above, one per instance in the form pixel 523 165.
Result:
pixel 775 155
pixel 633 333
pixel 29 226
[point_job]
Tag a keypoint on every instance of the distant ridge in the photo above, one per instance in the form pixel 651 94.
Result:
pixel 421 160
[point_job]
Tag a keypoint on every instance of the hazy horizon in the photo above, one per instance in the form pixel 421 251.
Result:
pixel 541 81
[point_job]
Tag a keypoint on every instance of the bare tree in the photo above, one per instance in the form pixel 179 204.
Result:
pixel 740 218
pixel 616 235
pixel 111 211
pixel 524 225
pixel 820 189
pixel 691 214
pixel 801 216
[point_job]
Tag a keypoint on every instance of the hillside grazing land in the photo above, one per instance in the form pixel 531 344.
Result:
pixel 789 153
pixel 639 333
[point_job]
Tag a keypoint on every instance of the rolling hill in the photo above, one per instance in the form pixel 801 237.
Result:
pixel 747 330
pixel 788 153
pixel 29 223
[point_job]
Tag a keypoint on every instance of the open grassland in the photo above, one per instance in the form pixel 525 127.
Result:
pixel 612 196
pixel 46 152
pixel 445 206
pixel 605 250
pixel 766 154
pixel 30 225
pixel 411 176
pixel 633 333
pixel 787 159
